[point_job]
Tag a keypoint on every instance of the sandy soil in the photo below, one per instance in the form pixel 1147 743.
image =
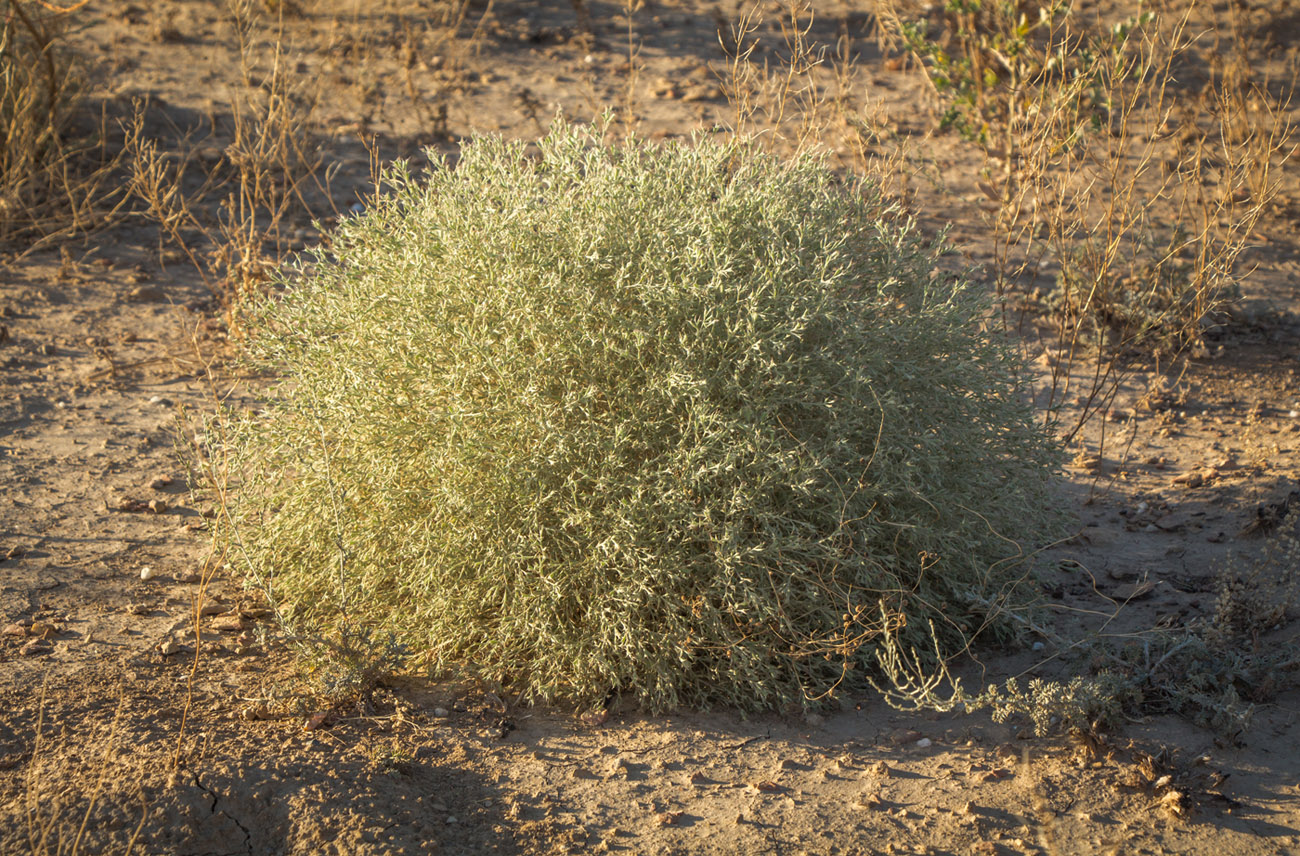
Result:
pixel 142 700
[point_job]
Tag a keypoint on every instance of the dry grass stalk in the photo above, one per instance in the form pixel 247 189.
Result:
pixel 52 181
pixel 628 114
pixel 765 95
pixel 48 833
pixel 806 95
pixel 1122 201
pixel 269 166
pixel 1144 246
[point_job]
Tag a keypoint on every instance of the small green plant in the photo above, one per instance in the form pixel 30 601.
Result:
pixel 687 422
pixel 392 757
pixel 982 54
pixel 993 62
pixel 348 665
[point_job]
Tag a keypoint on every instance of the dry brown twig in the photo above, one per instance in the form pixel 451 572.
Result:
pixel 270 167
pixel 54 177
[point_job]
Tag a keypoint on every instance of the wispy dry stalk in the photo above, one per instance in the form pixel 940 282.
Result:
pixel 628 113
pixel 270 172
pixel 1138 226
pixel 53 181
pixel 800 94
pixel 1122 199
pixel 772 96
pixel 49 833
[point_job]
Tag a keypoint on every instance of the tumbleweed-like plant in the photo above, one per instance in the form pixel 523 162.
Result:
pixel 684 421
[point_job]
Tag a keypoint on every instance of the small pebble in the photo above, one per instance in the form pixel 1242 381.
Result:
pixel 869 801
pixel 35 647
pixel 924 743
pixel 440 711
pixel 228 623
pixel 1038 646
pixel 147 573
pixel 146 294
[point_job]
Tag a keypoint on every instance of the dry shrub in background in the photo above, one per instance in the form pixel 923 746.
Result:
pixel 691 423
pixel 1123 195
pixel 785 92
pixel 796 93
pixel 52 176
pixel 269 174
pixel 271 178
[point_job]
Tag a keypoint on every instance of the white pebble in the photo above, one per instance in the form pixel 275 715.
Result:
pixel 925 743
pixel 451 818
pixel 1038 646
pixel 440 711
pixel 147 573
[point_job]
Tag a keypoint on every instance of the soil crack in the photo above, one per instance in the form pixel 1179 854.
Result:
pixel 216 801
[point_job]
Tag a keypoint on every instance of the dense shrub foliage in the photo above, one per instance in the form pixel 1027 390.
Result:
pixel 688 422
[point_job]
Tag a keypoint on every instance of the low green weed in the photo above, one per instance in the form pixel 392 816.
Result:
pixel 1212 672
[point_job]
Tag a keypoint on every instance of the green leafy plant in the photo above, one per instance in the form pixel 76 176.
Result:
pixel 992 62
pixel 349 665
pixel 687 422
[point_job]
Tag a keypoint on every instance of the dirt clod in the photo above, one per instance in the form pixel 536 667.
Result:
pixel 35 647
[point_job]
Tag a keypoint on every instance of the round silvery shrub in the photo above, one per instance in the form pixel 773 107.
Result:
pixel 688 422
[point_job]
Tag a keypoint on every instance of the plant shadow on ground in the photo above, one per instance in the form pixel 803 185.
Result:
pixel 382 786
